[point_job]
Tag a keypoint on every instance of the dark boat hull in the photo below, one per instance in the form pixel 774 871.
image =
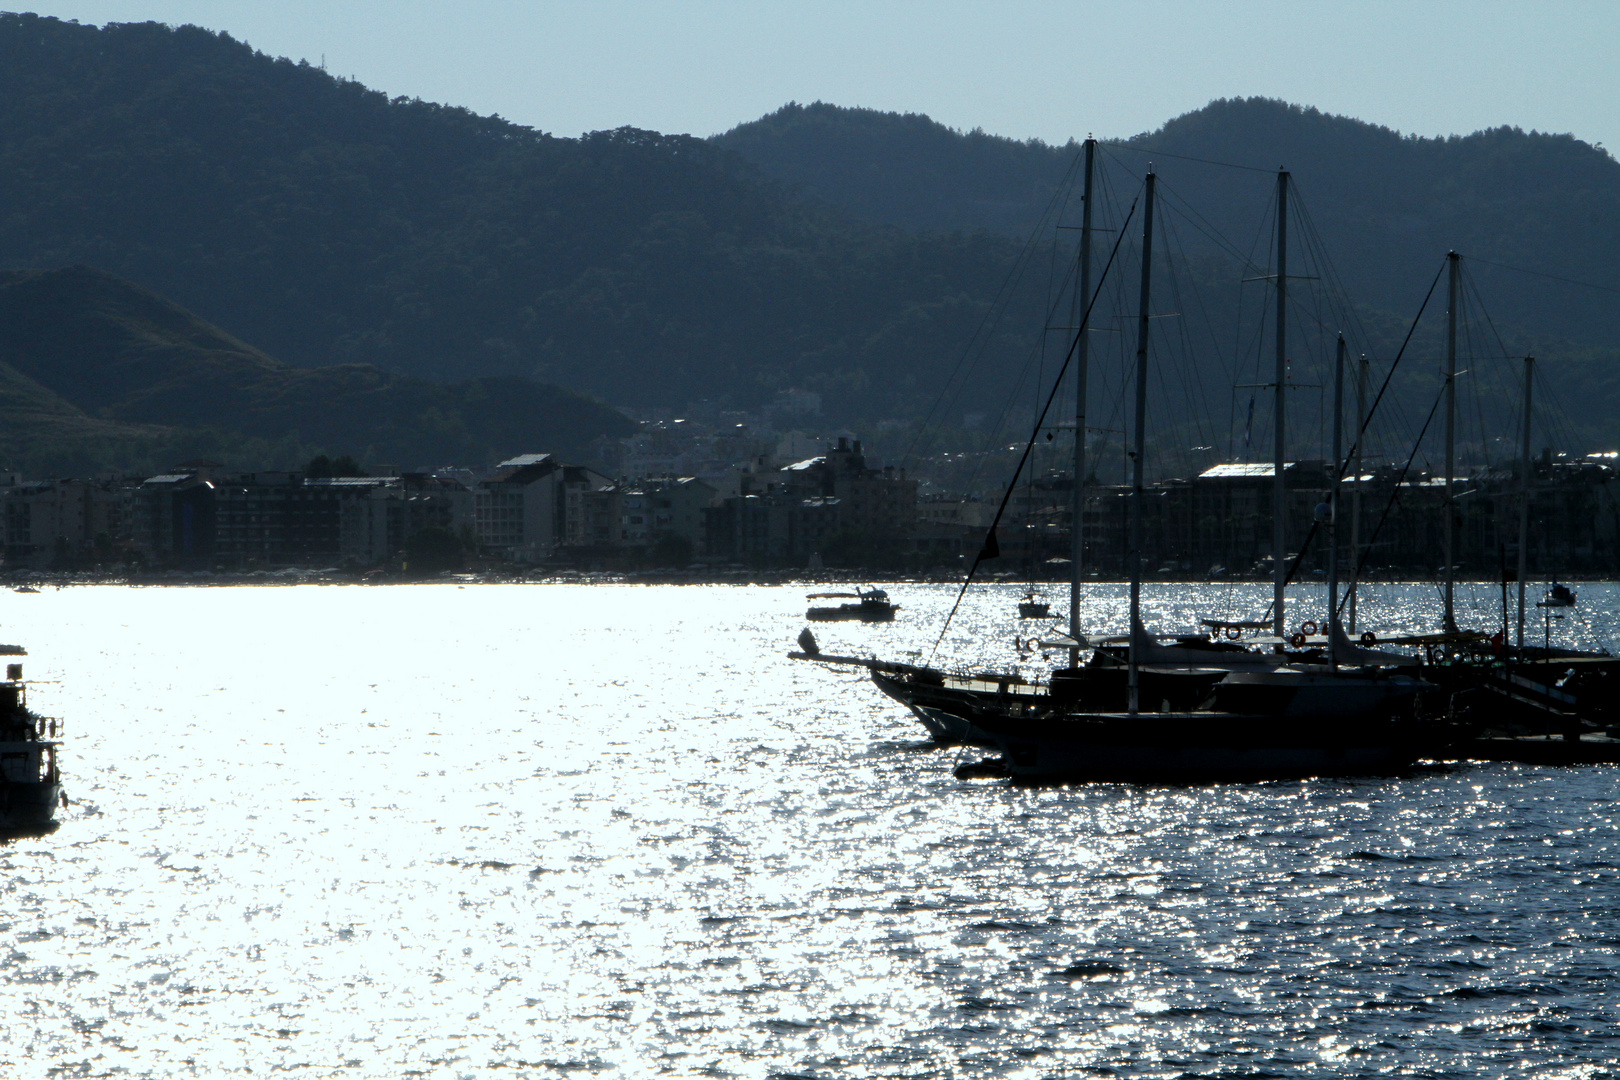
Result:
pixel 28 804
pixel 846 612
pixel 1205 748
pixel 950 714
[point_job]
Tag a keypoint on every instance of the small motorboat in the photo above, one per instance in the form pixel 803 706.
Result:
pixel 871 605
pixel 1033 607
pixel 1558 596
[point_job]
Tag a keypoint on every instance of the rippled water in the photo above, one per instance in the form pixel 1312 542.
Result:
pixel 544 829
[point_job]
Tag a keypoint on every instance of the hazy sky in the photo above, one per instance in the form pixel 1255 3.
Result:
pixel 1046 69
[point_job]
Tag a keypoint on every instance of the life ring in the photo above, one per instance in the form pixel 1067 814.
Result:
pixel 1369 638
pixel 1308 628
pixel 1297 641
pixel 1233 633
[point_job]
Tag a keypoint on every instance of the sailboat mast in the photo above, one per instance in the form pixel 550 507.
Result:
pixel 1139 440
pixel 1451 430
pixel 1279 488
pixel 1355 492
pixel 1333 509
pixel 1077 529
pixel 1524 493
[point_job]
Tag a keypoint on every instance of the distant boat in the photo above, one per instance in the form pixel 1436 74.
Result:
pixel 1558 596
pixel 30 786
pixel 1033 607
pixel 871 605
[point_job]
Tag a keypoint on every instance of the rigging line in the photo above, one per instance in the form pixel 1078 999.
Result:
pixel 1475 385
pixel 1241 352
pixel 1465 354
pixel 1207 228
pixel 1183 357
pixel 1394 497
pixel 994 312
pixel 1394 364
pixel 1558 427
pixel 1210 233
pixel 1036 350
pixel 1362 432
pixel 1338 296
pixel 1541 274
pixel 1015 391
pixel 1238 350
pixel 1227 370
pixel 1007 410
pixel 1036 356
pixel 1051 272
pixel 1324 262
pixel 1040 420
pixel 1470 285
pixel 1184 157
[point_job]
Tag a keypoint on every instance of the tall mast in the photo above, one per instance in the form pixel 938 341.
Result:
pixel 1279 488
pixel 1451 428
pixel 1355 492
pixel 1524 493
pixel 1077 529
pixel 1141 422
pixel 1333 509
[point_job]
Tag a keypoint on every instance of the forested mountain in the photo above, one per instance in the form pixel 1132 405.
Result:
pixel 328 224
pixel 903 168
pixel 844 251
pixel 98 373
pixel 1388 207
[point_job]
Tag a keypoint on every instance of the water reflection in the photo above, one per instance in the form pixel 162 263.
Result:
pixel 438 831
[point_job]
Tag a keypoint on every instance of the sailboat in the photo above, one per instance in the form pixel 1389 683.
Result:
pixel 1256 726
pixel 1262 732
pixel 947 703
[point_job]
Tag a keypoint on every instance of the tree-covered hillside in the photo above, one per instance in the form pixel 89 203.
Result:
pixel 1388 207
pixel 853 253
pixel 903 168
pixel 328 224
pixel 97 373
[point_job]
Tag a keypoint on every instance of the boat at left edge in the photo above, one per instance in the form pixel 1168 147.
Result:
pixel 30 775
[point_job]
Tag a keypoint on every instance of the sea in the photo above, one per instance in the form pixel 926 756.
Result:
pixel 463 830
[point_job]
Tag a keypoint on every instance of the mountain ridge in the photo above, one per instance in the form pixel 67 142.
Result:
pixel 332 225
pixel 119 364
pixel 1386 204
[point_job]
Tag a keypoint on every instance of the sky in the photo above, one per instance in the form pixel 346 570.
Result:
pixel 1034 69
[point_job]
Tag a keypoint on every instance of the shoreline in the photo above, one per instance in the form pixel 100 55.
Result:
pixel 24 579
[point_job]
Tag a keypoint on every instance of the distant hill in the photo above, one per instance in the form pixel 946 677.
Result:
pixel 330 224
pixel 97 372
pixel 848 252
pixel 903 168
pixel 1388 206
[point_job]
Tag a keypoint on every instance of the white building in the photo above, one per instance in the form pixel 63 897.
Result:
pixel 533 504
